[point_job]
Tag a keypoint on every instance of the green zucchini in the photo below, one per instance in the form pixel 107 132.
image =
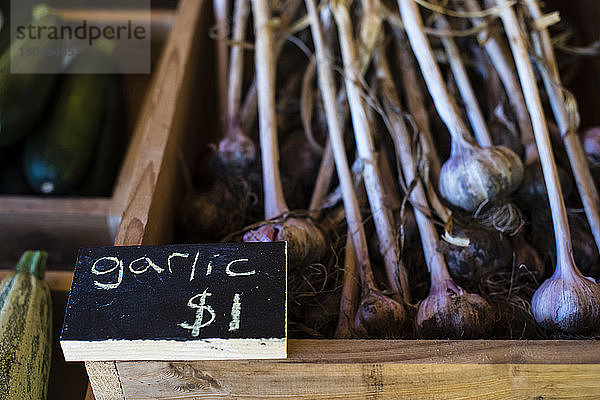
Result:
pixel 111 147
pixel 23 97
pixel 59 153
pixel 25 330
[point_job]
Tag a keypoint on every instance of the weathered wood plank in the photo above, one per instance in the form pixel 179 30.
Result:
pixel 381 369
pixel 105 381
pixel 152 177
pixel 444 351
pixel 260 380
pixel 32 222
pixel 89 394
pixel 59 281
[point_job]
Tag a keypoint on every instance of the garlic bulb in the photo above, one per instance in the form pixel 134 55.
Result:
pixel 306 242
pixel 212 214
pixel 533 192
pixel 474 174
pixel 488 251
pixel 568 303
pixel 526 258
pixel 591 144
pixel 236 152
pixel 379 316
pixel 450 312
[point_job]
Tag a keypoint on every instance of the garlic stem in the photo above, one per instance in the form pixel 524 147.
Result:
pixel 351 206
pixel 249 107
pixel 498 53
pixel 577 157
pixel 275 204
pixel 444 103
pixel 381 213
pixel 564 248
pixel 416 102
pixel 307 105
pixel 324 177
pixel 417 109
pixel 327 163
pixel 221 10
pixel 461 77
pixel 236 66
pixel 447 311
pixel 350 292
pixel 402 144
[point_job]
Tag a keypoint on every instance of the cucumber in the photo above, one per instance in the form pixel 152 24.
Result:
pixel 23 97
pixel 111 146
pixel 25 330
pixel 59 153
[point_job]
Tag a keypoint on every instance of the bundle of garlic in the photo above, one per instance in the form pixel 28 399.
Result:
pixel 454 241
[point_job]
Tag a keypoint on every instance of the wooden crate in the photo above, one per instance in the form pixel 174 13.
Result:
pixel 62 224
pixel 314 369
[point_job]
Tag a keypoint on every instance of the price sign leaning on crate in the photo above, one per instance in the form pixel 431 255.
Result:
pixel 177 302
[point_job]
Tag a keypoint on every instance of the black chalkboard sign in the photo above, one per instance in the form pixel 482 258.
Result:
pixel 177 302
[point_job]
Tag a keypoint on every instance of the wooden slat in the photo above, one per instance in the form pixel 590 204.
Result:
pixel 59 281
pixel 89 394
pixel 104 380
pixel 58 225
pixel 259 380
pixel 148 196
pixel 380 369
pixel 52 205
pixel 444 351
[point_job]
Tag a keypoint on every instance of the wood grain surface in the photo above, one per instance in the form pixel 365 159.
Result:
pixel 59 281
pixel 379 369
pixel 259 380
pixel 152 177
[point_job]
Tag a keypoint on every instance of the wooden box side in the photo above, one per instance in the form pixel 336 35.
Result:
pixel 154 177
pixel 324 369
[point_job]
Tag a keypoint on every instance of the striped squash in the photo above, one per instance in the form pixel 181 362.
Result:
pixel 25 330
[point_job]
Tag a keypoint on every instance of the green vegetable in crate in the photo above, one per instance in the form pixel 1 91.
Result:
pixel 25 330
pixel 24 96
pixel 112 144
pixel 59 153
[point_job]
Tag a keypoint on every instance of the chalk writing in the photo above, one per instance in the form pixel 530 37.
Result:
pixel 229 272
pixel 194 267
pixel 171 256
pixel 201 307
pixel 214 280
pixel 236 310
pixel 142 265
pixel 118 264
pixel 149 263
